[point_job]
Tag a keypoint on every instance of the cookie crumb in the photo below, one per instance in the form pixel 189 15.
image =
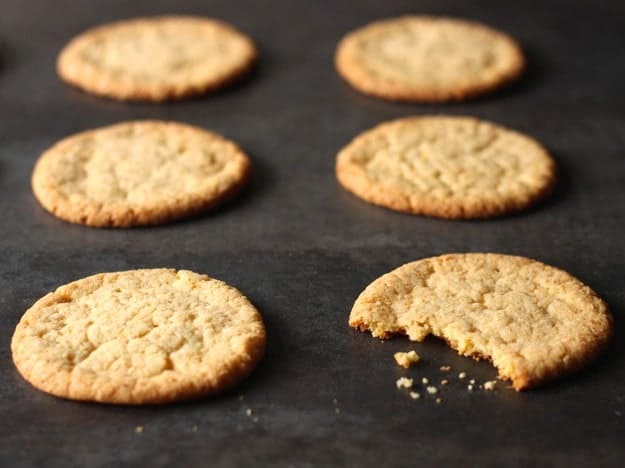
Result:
pixel 248 411
pixel 470 388
pixel 404 382
pixel 432 390
pixel 425 381
pixel 255 419
pixel 335 402
pixel 445 368
pixel 472 381
pixel 415 395
pixel 406 359
pixel 462 375
pixel 438 401
pixel 490 385
pixel 337 410
pixel 139 429
pixel 444 382
pixel 194 429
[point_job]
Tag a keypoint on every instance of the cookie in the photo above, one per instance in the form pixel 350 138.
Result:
pixel 533 321
pixel 156 59
pixel 139 337
pixel 426 58
pixel 448 167
pixel 138 173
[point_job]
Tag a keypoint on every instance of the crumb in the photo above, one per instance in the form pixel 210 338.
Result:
pixel 139 429
pixel 335 401
pixel 255 419
pixel 248 411
pixel 472 381
pixel 445 368
pixel 415 395
pixel 425 381
pixel 194 429
pixel 406 359
pixel 444 382
pixel 438 401
pixel 432 390
pixel 490 385
pixel 404 382
pixel 241 397
pixel 337 410
pixel 470 388
pixel 462 375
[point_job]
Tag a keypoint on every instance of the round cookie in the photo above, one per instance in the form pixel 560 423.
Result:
pixel 138 173
pixel 139 337
pixel 156 59
pixel 448 167
pixel 426 58
pixel 533 321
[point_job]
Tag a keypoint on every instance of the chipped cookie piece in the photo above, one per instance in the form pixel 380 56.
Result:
pixel 447 167
pixel 533 321
pixel 138 173
pixel 156 59
pixel 139 337
pixel 490 385
pixel 406 359
pixel 404 382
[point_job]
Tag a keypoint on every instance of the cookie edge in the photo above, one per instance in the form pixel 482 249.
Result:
pixel 361 187
pixel 229 376
pixel 520 380
pixel 361 81
pixel 72 73
pixel 100 216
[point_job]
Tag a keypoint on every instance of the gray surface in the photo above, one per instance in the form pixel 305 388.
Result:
pixel 302 249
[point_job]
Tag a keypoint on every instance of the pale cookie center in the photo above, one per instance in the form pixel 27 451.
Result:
pixel 160 54
pixel 436 56
pixel 137 330
pixel 140 171
pixel 449 161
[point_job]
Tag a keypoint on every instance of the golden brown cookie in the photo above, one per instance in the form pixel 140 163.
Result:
pixel 427 58
pixel 533 321
pixel 138 173
pixel 139 337
pixel 448 167
pixel 155 59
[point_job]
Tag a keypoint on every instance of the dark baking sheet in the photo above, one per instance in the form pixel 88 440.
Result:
pixel 302 249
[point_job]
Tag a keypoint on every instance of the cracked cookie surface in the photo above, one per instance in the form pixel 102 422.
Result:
pixel 533 321
pixel 425 58
pixel 449 167
pixel 140 336
pixel 138 173
pixel 154 59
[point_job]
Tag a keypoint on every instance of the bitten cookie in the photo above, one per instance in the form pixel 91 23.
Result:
pixel 155 59
pixel 449 167
pixel 426 58
pixel 138 173
pixel 533 321
pixel 139 337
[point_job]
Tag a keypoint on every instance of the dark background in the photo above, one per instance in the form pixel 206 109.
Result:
pixel 302 249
